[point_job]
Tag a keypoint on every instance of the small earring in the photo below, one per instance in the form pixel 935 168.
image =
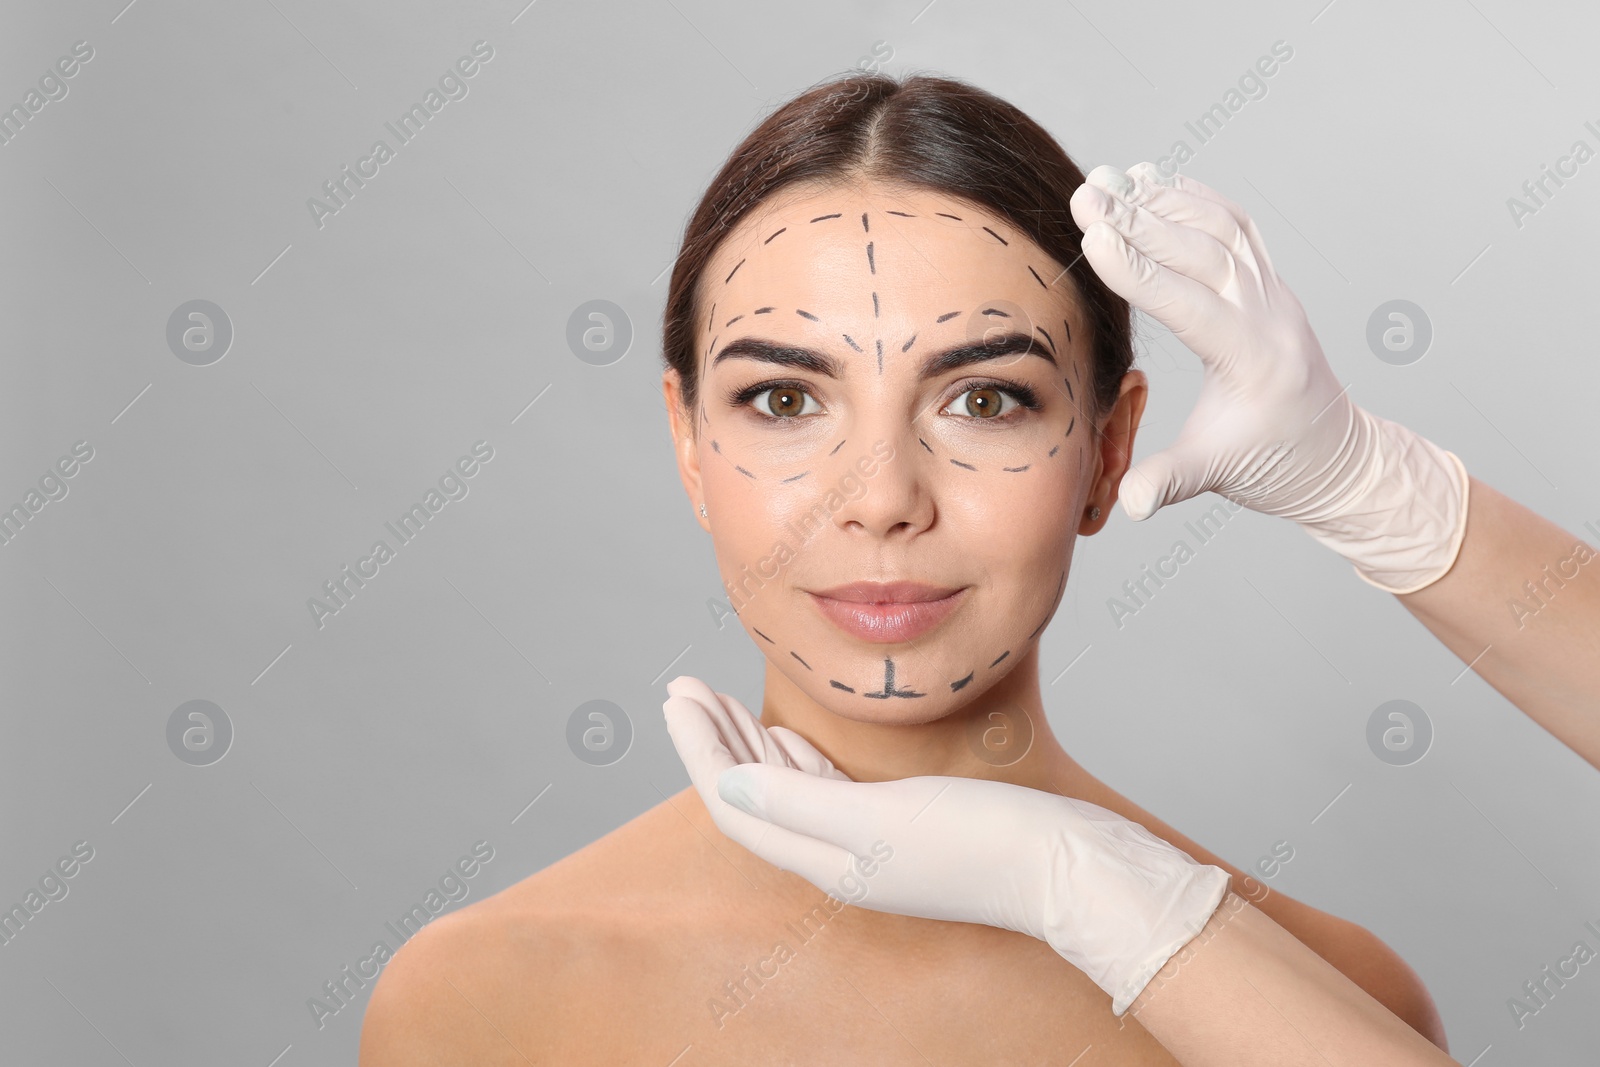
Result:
pixel 1094 513
pixel 702 511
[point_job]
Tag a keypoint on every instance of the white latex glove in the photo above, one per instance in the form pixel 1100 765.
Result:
pixel 1272 430
pixel 1111 898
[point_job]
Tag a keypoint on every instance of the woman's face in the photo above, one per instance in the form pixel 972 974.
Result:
pixel 895 387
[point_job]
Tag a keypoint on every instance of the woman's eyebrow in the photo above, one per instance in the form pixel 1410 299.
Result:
pixel 1010 344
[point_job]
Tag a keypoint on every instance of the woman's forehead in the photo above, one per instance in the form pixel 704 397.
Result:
pixel 874 259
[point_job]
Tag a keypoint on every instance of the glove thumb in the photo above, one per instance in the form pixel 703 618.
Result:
pixel 1166 477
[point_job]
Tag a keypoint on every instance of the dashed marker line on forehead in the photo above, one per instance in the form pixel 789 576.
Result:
pixel 866 227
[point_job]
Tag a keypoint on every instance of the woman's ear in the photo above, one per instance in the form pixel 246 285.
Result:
pixel 1113 449
pixel 684 443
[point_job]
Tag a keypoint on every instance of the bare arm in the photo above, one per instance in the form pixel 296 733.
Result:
pixel 1245 992
pixel 1522 606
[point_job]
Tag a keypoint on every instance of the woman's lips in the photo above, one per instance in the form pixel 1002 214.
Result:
pixel 886 623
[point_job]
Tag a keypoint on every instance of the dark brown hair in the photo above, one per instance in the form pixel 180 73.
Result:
pixel 926 132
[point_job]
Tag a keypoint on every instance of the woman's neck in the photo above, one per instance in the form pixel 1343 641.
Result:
pixel 1003 735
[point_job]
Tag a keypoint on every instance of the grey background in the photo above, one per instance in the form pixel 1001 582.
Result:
pixel 431 312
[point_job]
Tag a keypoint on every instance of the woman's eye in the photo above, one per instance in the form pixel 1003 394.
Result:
pixel 984 402
pixel 784 401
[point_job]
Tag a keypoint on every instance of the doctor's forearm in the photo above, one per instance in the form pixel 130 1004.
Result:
pixel 1522 606
pixel 1246 992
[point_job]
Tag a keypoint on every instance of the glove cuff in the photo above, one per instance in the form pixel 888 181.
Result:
pixel 1186 915
pixel 1443 557
pixel 1403 525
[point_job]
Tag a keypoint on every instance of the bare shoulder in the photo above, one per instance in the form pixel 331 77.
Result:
pixel 509 978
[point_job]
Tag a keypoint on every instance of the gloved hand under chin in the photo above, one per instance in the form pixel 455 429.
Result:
pixel 1272 429
pixel 1111 898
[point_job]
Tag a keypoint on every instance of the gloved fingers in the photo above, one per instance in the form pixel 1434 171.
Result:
pixel 755 737
pixel 1222 218
pixel 803 754
pixel 1178 206
pixel 1212 214
pixel 700 744
pixel 704 752
pixel 741 732
pixel 1185 249
pixel 1179 303
pixel 687 687
pixel 846 814
pixel 1246 223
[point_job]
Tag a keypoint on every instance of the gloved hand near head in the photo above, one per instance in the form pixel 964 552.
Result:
pixel 1272 430
pixel 1110 897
